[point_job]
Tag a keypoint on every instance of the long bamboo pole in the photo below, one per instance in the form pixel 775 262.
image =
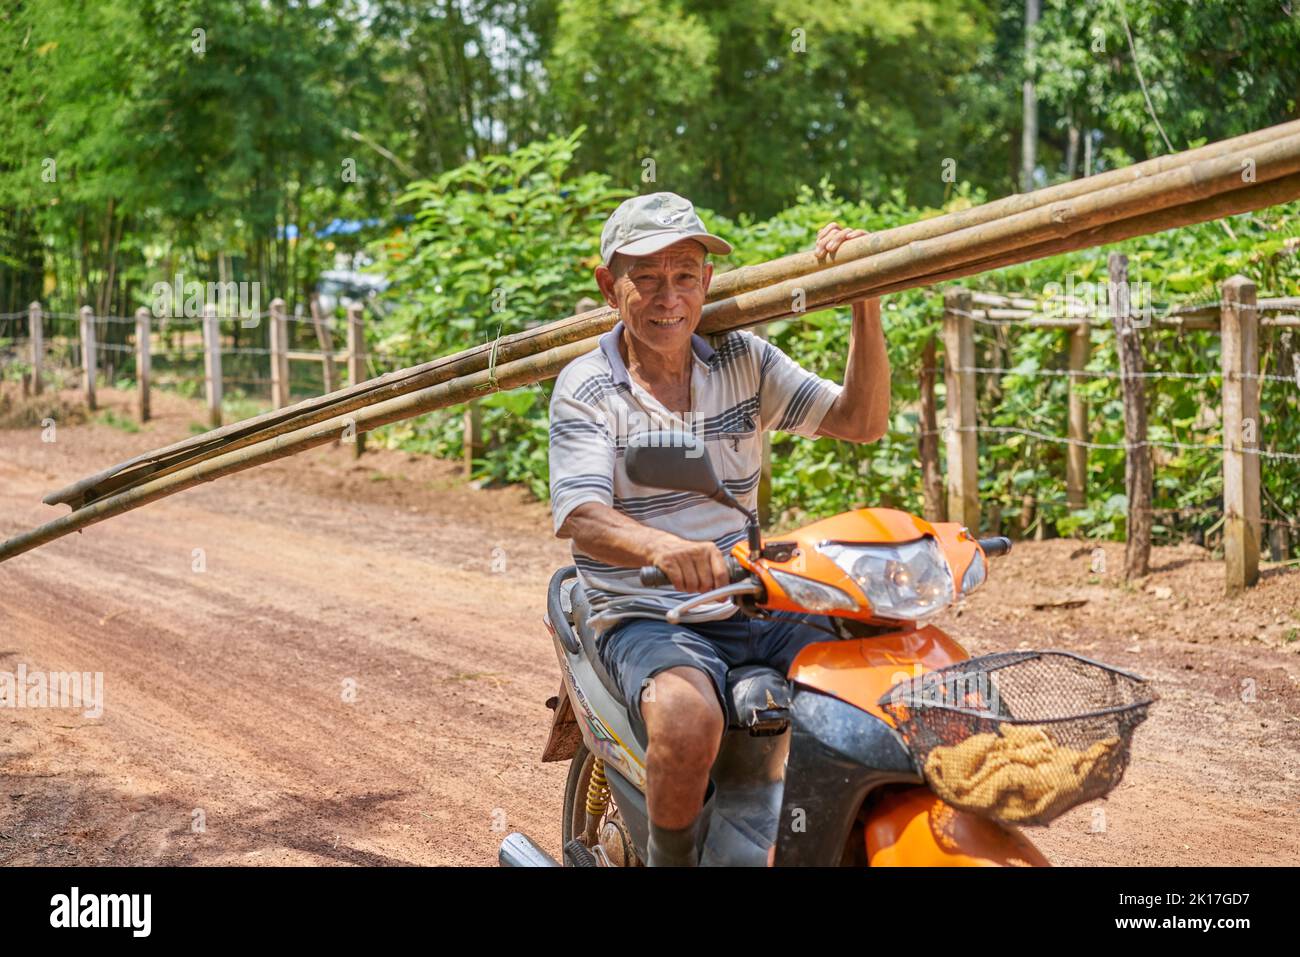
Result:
pixel 545 365
pixel 1009 235
pixel 1281 190
pixel 949 252
pixel 585 325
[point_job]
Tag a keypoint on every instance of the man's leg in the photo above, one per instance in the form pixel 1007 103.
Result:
pixel 778 640
pixel 684 725
pixel 671 678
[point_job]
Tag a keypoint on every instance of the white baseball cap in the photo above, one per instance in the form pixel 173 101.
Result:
pixel 646 224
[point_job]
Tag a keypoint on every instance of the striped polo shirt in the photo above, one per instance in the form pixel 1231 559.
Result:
pixel 741 386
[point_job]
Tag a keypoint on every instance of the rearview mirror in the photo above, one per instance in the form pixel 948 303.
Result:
pixel 678 460
pixel 673 460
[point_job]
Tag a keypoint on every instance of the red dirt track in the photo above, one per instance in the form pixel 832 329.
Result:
pixel 358 674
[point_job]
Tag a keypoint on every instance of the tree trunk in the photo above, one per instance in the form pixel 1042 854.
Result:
pixel 1029 130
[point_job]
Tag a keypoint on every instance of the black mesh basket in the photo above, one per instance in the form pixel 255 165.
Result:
pixel 1021 736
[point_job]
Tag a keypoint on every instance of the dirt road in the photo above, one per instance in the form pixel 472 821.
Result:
pixel 323 661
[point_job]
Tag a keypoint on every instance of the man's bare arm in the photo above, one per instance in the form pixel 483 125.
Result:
pixel 610 536
pixel 861 413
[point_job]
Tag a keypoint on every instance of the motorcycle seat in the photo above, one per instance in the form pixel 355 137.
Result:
pixel 580 611
pixel 758 700
pixel 757 697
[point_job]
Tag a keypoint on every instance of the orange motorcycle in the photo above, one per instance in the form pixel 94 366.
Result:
pixel 886 744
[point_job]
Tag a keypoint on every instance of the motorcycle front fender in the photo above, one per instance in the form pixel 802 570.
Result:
pixel 910 827
pixel 838 755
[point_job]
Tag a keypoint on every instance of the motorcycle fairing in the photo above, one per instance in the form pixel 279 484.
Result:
pixel 838 755
pixel 603 721
pixel 911 827
pixel 861 670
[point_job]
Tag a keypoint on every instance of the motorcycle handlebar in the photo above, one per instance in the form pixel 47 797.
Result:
pixel 995 546
pixel 652 577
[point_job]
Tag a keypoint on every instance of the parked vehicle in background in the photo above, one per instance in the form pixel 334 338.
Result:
pixel 342 287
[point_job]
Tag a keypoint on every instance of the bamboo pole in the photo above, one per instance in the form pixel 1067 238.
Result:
pixel 1078 223
pixel 1260 195
pixel 1257 196
pixel 765 274
pixel 1009 235
pixel 511 376
pixel 389 399
pixel 731 284
pixel 1281 190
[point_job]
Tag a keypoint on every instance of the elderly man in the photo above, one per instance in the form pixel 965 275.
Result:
pixel 652 371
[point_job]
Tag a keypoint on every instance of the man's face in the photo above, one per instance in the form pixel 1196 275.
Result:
pixel 659 297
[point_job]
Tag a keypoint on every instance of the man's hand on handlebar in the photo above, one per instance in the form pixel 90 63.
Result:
pixel 691 566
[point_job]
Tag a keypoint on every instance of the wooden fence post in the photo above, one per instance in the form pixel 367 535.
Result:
pixel 473 441
pixel 142 360
pixel 36 331
pixel 357 361
pixel 212 362
pixel 279 346
pixel 1076 460
pixel 88 356
pixel 326 342
pixel 1137 454
pixel 935 507
pixel 1239 352
pixel 959 409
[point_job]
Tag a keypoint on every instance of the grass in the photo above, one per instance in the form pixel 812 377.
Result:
pixel 236 406
pixel 109 417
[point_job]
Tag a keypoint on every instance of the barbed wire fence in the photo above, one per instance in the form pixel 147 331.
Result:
pixel 1237 317
pixel 260 354
pixel 267 357
pixel 255 349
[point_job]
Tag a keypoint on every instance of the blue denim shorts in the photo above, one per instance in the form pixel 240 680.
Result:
pixel 636 650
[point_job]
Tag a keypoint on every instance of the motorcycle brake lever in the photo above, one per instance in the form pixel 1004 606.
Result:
pixel 675 613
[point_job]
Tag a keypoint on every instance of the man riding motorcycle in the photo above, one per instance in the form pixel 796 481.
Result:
pixel 651 371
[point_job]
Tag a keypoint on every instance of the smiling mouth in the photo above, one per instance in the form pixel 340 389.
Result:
pixel 668 321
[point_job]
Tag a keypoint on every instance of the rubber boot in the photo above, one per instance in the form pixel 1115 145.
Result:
pixel 674 848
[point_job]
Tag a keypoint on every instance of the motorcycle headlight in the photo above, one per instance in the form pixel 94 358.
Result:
pixel 813 595
pixel 910 581
pixel 975 574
